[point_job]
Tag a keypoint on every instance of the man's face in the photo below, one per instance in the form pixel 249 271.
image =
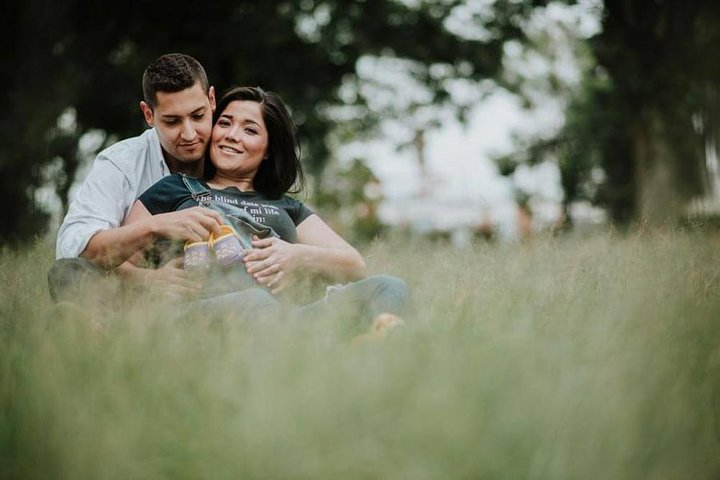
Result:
pixel 183 121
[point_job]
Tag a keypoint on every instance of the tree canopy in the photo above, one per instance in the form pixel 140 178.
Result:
pixel 637 130
pixel 88 57
pixel 641 127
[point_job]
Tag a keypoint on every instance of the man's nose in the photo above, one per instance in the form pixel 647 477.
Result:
pixel 188 133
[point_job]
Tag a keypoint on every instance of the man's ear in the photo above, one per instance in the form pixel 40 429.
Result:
pixel 148 114
pixel 211 97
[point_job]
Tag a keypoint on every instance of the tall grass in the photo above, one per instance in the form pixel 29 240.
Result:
pixel 560 358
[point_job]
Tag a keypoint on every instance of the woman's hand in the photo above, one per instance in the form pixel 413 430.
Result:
pixel 275 263
pixel 272 262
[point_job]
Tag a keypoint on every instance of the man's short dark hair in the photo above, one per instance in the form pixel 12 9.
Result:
pixel 171 73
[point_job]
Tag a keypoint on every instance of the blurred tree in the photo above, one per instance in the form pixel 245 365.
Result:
pixel 641 124
pixel 350 200
pixel 658 57
pixel 87 58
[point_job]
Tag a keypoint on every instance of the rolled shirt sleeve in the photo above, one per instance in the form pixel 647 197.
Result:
pixel 118 175
pixel 100 204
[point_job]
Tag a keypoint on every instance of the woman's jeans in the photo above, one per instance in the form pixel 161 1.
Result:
pixel 362 300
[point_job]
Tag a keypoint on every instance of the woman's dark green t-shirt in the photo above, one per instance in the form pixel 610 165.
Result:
pixel 283 215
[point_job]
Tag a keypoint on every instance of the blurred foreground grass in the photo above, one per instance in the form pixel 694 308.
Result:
pixel 593 358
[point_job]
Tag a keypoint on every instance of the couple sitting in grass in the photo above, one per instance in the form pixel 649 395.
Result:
pixel 216 184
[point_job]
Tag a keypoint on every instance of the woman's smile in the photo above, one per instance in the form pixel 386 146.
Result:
pixel 231 150
pixel 239 140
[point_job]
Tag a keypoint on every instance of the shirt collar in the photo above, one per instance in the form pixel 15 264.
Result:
pixel 157 152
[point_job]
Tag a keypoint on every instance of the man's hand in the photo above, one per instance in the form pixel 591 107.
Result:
pixel 173 280
pixel 272 262
pixel 112 247
pixel 194 224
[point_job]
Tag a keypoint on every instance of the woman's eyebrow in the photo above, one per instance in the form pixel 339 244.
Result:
pixel 242 120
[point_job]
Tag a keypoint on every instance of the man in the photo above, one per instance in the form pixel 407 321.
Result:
pixel 178 106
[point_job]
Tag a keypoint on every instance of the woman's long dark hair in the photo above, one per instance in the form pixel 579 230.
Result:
pixel 281 170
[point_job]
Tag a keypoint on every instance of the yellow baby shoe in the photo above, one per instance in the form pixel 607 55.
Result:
pixel 227 246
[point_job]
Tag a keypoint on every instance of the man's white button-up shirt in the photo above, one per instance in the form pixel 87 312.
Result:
pixel 119 174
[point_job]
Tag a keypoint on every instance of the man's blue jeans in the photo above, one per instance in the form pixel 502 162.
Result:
pixel 69 277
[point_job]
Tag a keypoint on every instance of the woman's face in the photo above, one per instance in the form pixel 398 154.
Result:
pixel 239 140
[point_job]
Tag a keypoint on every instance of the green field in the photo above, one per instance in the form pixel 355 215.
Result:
pixel 562 358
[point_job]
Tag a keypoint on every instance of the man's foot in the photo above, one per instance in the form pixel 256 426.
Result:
pixel 381 326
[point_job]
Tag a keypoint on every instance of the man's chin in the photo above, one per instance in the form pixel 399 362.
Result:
pixel 190 156
pixel 184 159
pixel 193 153
pixel 189 160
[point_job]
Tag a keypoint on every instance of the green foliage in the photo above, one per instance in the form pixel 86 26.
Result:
pixel 656 56
pixel 562 358
pixel 349 199
pixel 639 125
pixel 597 138
pixel 653 110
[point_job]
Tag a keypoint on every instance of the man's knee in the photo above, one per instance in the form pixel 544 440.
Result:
pixel 68 275
pixel 389 295
pixel 390 285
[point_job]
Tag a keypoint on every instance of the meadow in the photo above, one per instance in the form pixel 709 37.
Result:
pixel 561 358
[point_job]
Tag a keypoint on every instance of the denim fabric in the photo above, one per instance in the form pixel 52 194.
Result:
pixel 68 276
pixel 362 301
pixel 250 304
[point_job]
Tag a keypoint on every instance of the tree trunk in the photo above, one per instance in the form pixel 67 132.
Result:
pixel 658 194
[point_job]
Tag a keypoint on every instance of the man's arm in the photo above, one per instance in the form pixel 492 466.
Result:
pixel 100 204
pixel 92 228
pixel 110 248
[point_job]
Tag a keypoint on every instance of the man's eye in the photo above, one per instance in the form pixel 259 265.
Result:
pixel 198 116
pixel 171 122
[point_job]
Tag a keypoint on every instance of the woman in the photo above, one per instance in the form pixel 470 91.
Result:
pixel 251 164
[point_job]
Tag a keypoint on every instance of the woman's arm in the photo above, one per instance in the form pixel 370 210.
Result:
pixel 324 251
pixel 319 250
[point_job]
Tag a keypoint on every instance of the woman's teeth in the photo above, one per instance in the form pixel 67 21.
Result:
pixel 229 150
